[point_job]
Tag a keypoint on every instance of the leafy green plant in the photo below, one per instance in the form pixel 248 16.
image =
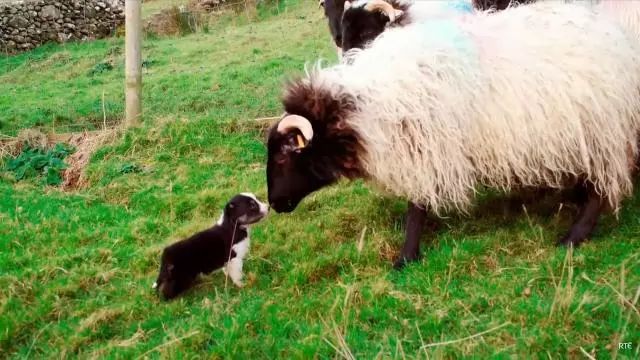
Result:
pixel 35 162
pixel 130 168
pixel 148 63
pixel 99 68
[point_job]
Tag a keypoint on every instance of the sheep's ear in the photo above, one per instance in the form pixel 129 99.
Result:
pixel 394 18
pixel 349 163
pixel 294 143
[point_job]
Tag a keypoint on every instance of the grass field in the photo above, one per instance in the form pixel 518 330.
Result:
pixel 76 268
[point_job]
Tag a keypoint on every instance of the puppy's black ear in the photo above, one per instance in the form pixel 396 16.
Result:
pixel 229 210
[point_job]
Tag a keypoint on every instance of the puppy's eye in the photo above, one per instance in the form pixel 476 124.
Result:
pixel 253 206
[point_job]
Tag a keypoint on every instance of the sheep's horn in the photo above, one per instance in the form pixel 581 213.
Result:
pixel 384 7
pixel 296 122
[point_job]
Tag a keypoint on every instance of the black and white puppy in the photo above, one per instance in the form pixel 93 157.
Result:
pixel 223 246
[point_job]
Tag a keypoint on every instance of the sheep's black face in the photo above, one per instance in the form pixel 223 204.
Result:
pixel 333 11
pixel 291 171
pixel 312 146
pixel 360 26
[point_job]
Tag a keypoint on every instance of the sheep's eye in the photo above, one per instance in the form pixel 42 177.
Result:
pixel 281 159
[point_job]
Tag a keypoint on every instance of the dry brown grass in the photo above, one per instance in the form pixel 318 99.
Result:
pixel 85 145
pixel 12 146
pixel 175 21
pixel 164 22
pixel 98 317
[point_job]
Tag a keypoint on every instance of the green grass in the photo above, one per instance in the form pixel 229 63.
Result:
pixel 76 267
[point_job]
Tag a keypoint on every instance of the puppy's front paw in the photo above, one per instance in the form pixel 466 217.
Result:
pixel 238 283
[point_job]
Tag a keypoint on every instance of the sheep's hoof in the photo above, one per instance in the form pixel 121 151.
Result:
pixel 571 240
pixel 404 260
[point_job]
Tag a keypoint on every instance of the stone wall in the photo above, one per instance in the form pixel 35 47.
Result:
pixel 26 24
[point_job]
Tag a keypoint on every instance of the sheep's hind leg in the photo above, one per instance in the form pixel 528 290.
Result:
pixel 416 216
pixel 587 218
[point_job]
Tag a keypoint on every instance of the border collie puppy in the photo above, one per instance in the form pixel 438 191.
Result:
pixel 222 246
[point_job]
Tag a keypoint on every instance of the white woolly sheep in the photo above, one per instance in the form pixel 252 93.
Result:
pixel 623 11
pixel 544 95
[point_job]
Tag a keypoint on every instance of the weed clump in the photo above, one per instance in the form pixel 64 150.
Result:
pixel 173 21
pixel 35 162
pixel 101 67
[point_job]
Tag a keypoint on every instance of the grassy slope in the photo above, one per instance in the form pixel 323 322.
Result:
pixel 76 268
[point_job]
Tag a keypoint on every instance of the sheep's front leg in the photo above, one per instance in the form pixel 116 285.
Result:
pixel 416 216
pixel 587 218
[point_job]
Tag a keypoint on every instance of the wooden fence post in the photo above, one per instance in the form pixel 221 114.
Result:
pixel 133 62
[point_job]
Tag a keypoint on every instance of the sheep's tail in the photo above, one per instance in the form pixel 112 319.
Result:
pixel 626 12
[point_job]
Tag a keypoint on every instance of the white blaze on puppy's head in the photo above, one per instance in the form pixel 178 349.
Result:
pixel 264 208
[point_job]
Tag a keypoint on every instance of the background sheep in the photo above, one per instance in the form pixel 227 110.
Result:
pixel 333 10
pixel 525 97
pixel 364 20
pixel 498 4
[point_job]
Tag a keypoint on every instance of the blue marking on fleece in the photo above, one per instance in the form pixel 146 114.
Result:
pixel 447 35
pixel 462 6
pixel 445 31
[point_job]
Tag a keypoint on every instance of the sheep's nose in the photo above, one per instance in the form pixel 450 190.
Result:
pixel 283 205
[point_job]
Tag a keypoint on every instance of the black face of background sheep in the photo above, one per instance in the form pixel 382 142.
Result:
pixel 497 4
pixel 333 12
pixel 364 23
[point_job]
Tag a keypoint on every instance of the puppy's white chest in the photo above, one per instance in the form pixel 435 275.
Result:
pixel 241 248
pixel 233 268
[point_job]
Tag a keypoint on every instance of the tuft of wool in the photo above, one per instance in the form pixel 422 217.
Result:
pixel 626 12
pixel 532 96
